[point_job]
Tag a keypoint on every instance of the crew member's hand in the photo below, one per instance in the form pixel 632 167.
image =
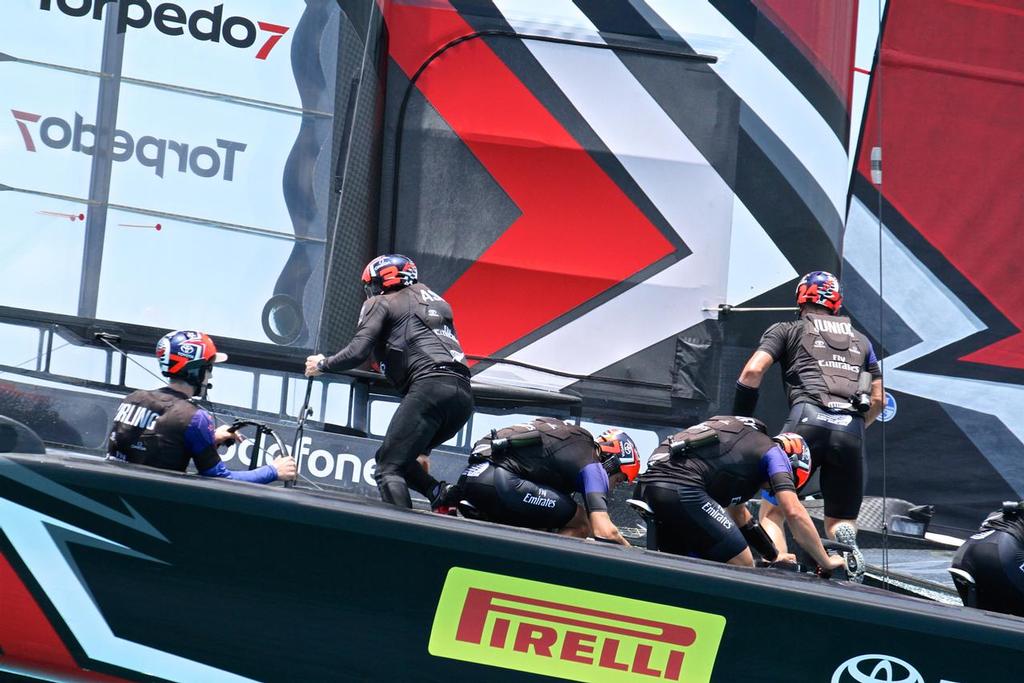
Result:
pixel 285 466
pixel 835 562
pixel 223 437
pixel 311 365
pixel 786 557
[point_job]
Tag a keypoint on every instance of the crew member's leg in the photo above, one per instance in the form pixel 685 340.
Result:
pixel 691 521
pixel 578 526
pixel 450 405
pixel 842 482
pixel 773 521
pixel 505 497
pixel 411 431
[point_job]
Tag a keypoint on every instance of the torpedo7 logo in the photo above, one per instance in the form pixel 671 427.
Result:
pixel 149 151
pixel 569 633
pixel 172 20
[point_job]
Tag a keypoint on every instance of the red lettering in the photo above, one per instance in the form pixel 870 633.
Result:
pixel 642 659
pixel 500 633
pixel 577 643
pixel 275 31
pixel 21 117
pixel 674 666
pixel 540 637
pixel 608 652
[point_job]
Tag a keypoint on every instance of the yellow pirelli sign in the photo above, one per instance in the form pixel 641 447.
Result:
pixel 568 633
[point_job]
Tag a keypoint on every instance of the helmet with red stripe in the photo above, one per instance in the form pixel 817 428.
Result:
pixel 188 355
pixel 618 453
pixel 799 456
pixel 387 273
pixel 820 288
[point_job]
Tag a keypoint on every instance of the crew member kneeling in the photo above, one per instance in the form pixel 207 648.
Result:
pixel 695 476
pixel 163 428
pixel 525 475
pixel 993 559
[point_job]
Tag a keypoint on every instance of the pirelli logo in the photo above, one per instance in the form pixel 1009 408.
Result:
pixel 569 633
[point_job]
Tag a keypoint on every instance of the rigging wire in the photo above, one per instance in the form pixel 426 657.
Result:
pixel 881 307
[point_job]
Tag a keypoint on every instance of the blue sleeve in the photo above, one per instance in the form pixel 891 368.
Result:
pixel 592 482
pixel 871 363
pixel 260 475
pixel 776 470
pixel 199 441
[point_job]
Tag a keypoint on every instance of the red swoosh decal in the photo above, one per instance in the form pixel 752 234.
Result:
pixel 578 234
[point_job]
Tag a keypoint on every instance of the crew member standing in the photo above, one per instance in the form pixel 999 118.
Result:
pixel 410 332
pixel 834 385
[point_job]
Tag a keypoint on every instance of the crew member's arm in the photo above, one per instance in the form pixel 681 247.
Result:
pixel 804 532
pixel 877 402
pixel 201 441
pixel 877 394
pixel 371 326
pixel 754 534
pixel 593 483
pixel 747 386
pixel 775 468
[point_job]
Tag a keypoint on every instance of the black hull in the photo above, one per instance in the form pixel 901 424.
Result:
pixel 142 573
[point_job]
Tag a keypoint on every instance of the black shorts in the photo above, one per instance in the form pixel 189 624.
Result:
pixel 996 561
pixel 689 522
pixel 507 498
pixel 836 441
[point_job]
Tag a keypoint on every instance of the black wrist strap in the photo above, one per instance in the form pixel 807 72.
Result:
pixel 744 401
pixel 758 539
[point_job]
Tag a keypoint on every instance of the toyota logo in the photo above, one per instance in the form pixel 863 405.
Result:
pixel 876 669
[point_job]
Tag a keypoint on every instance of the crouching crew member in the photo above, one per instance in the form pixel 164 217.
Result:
pixel 525 475
pixel 164 428
pixel 988 569
pixel 698 479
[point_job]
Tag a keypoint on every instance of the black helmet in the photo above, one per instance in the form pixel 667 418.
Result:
pixel 387 273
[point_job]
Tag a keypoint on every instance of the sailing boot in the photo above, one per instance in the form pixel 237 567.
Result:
pixel 846 533
pixel 393 490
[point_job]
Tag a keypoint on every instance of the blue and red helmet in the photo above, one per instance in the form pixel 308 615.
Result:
pixel 387 273
pixel 821 288
pixel 618 453
pixel 187 355
pixel 799 454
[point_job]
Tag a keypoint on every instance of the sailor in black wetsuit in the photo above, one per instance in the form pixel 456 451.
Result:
pixel 993 559
pixel 835 390
pixel 525 475
pixel 163 428
pixel 698 479
pixel 409 330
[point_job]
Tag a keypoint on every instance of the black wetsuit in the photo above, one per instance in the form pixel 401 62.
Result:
pixel 411 334
pixel 688 492
pixel 994 557
pixel 820 381
pixel 532 485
